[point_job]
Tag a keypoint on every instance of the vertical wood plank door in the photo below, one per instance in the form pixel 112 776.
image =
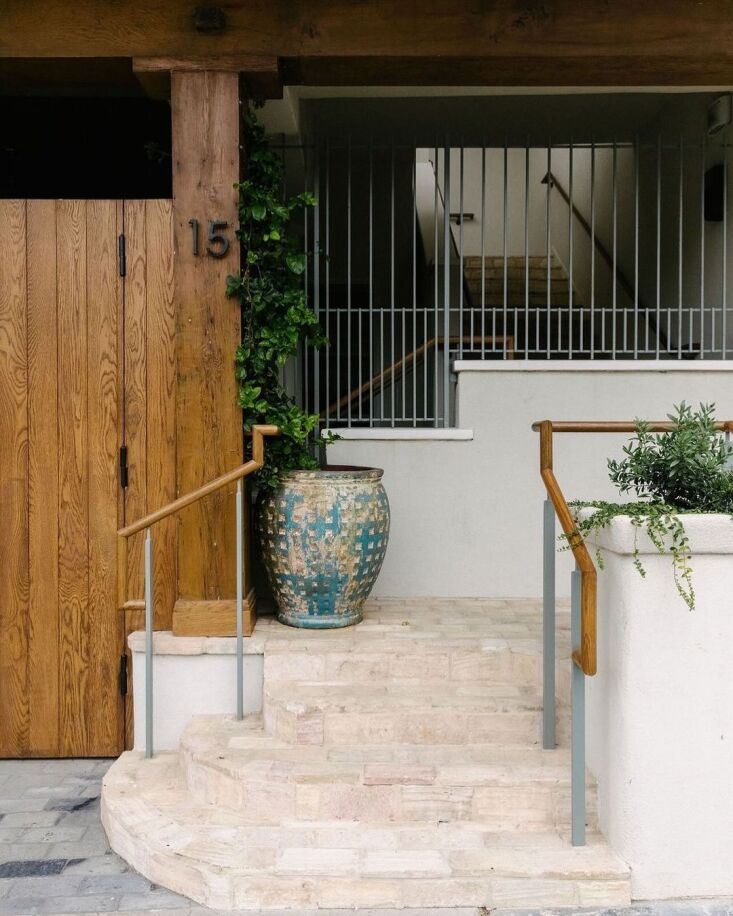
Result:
pixel 62 422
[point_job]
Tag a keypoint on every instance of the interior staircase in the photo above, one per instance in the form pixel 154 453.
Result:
pixel 527 279
pixel 396 764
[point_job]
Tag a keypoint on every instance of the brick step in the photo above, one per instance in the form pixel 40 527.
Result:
pixel 236 764
pixel 429 712
pixel 211 855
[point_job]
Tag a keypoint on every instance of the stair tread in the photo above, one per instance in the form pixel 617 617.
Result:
pixel 387 696
pixel 243 750
pixel 148 799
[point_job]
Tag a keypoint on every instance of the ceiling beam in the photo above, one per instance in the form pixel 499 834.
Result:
pixel 565 42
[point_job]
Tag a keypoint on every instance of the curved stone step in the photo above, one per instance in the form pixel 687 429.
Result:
pixel 236 764
pixel 209 854
pixel 431 711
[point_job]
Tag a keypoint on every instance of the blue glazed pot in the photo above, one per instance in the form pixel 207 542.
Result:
pixel 323 536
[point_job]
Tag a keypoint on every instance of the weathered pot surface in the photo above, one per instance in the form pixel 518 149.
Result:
pixel 323 536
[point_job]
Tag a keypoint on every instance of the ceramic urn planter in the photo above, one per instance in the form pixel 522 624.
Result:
pixel 323 536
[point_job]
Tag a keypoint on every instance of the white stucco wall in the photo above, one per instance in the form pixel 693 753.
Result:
pixel 192 676
pixel 466 515
pixel 660 713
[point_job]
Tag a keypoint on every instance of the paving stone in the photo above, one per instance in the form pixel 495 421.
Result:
pixel 20 804
pixel 30 819
pixel 27 868
pixel 47 886
pixel 78 904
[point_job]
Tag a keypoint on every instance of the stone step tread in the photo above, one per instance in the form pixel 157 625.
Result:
pixel 386 696
pixel 208 853
pixel 244 751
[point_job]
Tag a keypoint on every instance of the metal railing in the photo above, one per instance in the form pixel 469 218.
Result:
pixel 621 254
pixel 146 523
pixel 583 603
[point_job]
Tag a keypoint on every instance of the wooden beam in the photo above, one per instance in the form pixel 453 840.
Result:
pixel 233 63
pixel 205 109
pixel 658 42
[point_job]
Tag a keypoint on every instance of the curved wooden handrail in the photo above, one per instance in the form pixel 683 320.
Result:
pixel 585 656
pixel 249 467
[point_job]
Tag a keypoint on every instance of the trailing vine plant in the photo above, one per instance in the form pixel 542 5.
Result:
pixel 688 469
pixel 276 317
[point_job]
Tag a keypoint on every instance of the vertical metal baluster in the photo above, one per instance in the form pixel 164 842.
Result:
pixel 446 284
pixel 592 250
pixel 636 253
pixel 327 380
pixel 526 252
pixel 577 777
pixel 391 281
pixel 317 279
pixel 460 262
pixel 348 283
pixel 679 249
pixel 725 250
pixel 703 151
pixel 403 355
pixel 504 250
pixel 548 625
pixel 483 252
pixel 659 245
pixel 614 288
pixel 148 643
pixel 371 285
pixel 571 222
pixel 414 282
pixel 239 513
pixel 548 329
pixel 306 281
pixel 435 295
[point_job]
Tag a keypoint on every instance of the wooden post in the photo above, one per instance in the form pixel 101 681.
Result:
pixel 205 107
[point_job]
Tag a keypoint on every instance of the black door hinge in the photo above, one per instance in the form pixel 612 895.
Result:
pixel 123 467
pixel 122 677
pixel 121 254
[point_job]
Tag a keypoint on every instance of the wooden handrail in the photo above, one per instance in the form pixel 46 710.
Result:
pixel 399 366
pixel 585 656
pixel 249 467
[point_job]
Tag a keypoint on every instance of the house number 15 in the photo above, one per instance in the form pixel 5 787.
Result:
pixel 217 243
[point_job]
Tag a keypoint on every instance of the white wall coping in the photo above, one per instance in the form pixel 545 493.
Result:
pixel 708 533
pixel 404 434
pixel 165 643
pixel 593 365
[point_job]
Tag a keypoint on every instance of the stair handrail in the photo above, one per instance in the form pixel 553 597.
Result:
pixel 585 655
pixel 258 432
pixel 619 276
pixel 583 602
pixel 397 369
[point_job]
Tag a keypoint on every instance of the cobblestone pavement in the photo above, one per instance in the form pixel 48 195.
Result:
pixel 54 857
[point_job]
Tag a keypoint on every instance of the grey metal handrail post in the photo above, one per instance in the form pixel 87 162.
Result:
pixel 548 625
pixel 577 728
pixel 240 599
pixel 148 644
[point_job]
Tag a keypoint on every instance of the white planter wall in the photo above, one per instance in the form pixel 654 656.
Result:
pixel 660 713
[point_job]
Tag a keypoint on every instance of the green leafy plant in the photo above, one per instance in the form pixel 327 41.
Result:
pixel 276 317
pixel 687 469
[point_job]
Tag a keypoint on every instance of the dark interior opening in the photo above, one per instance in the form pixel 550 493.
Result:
pixel 85 147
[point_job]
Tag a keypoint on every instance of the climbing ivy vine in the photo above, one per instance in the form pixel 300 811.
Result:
pixel 276 317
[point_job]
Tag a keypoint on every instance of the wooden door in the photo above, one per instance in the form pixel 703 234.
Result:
pixel 63 338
